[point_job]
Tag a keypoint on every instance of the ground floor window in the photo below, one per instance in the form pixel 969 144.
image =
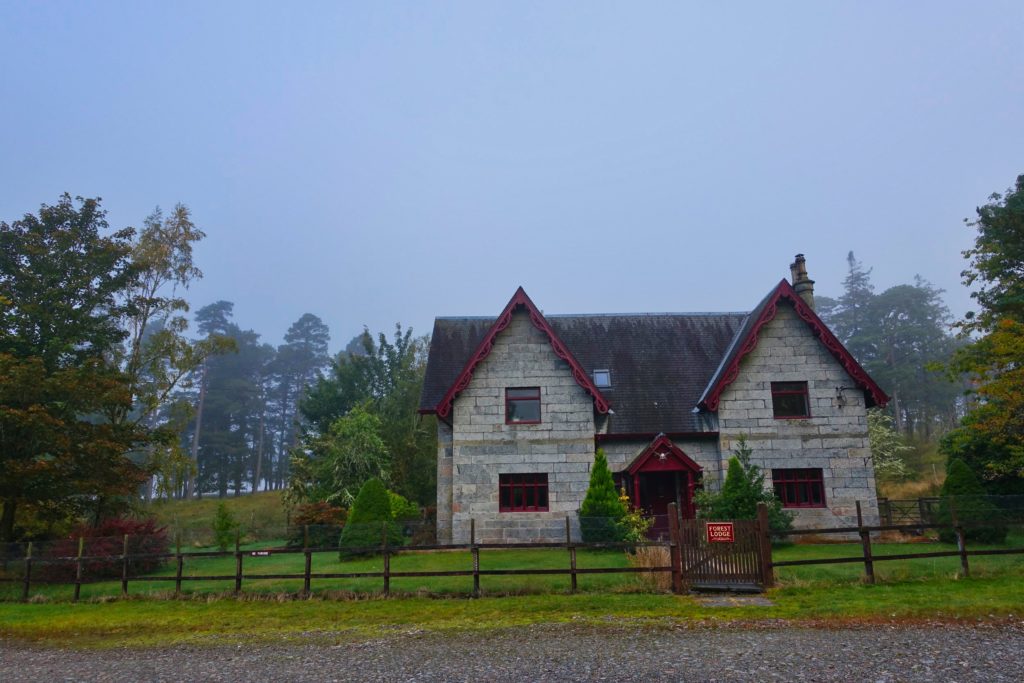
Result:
pixel 799 488
pixel 523 492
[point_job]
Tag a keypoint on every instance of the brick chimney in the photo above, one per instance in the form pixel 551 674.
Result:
pixel 803 285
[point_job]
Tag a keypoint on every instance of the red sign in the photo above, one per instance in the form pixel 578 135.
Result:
pixel 721 532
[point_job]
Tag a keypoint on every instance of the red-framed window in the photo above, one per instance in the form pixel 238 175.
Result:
pixel 799 488
pixel 523 492
pixel 522 405
pixel 790 401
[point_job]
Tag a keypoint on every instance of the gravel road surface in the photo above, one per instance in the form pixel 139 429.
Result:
pixel 982 652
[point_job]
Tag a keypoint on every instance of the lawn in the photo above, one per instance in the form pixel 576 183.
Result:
pixel 813 576
pixel 261 514
pixel 907 590
pixel 139 622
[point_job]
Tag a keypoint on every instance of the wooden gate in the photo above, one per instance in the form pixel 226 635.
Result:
pixel 736 561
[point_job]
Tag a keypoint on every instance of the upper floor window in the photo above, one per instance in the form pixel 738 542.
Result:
pixel 602 378
pixel 789 400
pixel 522 405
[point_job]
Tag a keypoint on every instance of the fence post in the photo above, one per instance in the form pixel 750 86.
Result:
pixel 476 557
pixel 961 539
pixel 387 558
pixel 124 567
pixel 922 513
pixel 887 505
pixel 764 545
pixel 675 548
pixel 572 555
pixel 78 569
pixel 179 561
pixel 865 540
pixel 238 561
pixel 26 586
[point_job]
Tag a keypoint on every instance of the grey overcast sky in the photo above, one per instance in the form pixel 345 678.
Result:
pixel 381 162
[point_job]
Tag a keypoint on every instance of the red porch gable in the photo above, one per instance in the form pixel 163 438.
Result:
pixel 662 456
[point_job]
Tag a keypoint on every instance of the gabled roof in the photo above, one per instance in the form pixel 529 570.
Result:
pixel 659 362
pixel 747 337
pixel 662 365
pixel 485 345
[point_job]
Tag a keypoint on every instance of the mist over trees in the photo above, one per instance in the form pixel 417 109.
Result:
pixel 107 398
pixel 903 337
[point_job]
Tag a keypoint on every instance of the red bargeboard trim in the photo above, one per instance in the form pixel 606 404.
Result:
pixel 785 291
pixel 519 300
pixel 659 443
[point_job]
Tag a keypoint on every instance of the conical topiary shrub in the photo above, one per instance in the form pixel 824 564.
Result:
pixel 963 492
pixel 602 512
pixel 368 521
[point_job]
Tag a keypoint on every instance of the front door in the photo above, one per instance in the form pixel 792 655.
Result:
pixel 657 490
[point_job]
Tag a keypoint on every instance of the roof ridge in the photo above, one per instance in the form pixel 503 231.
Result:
pixel 651 314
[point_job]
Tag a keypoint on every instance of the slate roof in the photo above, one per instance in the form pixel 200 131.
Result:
pixel 660 363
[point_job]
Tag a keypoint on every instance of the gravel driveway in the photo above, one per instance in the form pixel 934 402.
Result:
pixel 566 653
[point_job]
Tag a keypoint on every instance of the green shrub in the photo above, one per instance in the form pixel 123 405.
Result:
pixel 634 524
pixel 369 520
pixel 742 491
pixel 601 513
pixel 402 509
pixel 224 527
pixel 963 492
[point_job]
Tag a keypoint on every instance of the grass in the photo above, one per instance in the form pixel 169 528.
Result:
pixel 268 610
pixel 231 621
pixel 194 518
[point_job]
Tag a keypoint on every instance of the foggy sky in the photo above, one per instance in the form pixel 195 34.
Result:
pixel 382 162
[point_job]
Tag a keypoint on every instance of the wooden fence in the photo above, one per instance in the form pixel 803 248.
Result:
pixel 239 576
pixel 695 561
pixel 868 558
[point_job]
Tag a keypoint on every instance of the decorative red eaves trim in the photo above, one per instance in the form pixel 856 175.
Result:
pixel 661 444
pixel 785 291
pixel 519 300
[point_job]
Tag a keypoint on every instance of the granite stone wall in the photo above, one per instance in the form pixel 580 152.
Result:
pixel 483 446
pixel 444 482
pixel 834 437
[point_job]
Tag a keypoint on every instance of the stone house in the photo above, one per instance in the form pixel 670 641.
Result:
pixel 524 399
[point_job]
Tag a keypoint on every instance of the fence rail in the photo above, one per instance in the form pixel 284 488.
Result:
pixel 867 556
pixel 385 550
pixel 693 559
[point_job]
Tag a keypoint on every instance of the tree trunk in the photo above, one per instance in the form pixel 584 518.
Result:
pixel 7 520
pixel 897 411
pixel 257 470
pixel 190 485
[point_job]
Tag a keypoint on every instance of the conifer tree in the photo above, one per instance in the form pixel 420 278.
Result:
pixel 369 520
pixel 741 492
pixel 601 512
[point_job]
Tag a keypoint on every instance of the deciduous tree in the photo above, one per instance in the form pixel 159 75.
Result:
pixel 991 437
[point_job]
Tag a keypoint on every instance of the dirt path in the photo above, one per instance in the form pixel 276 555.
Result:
pixel 565 653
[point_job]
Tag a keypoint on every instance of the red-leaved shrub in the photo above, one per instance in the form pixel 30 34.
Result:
pixel 103 546
pixel 322 521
